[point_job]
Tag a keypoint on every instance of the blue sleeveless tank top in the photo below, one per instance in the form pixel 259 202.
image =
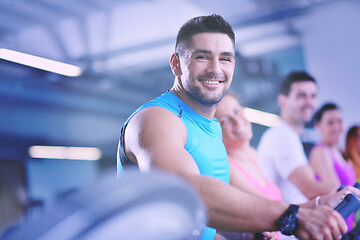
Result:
pixel 204 141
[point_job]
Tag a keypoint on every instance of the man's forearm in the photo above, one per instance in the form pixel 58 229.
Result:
pixel 233 210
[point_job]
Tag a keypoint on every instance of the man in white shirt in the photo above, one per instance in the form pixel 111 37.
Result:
pixel 280 150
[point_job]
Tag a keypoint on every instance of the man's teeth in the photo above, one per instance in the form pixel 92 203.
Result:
pixel 211 82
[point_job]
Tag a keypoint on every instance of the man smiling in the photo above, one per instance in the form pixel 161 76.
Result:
pixel 280 150
pixel 177 132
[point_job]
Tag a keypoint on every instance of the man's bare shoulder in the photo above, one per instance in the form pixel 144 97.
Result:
pixel 158 117
pixel 154 128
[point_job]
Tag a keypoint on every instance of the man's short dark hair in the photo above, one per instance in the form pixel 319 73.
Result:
pixel 326 107
pixel 293 77
pixel 204 24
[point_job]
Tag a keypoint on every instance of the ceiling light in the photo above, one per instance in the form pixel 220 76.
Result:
pixel 260 117
pixel 260 31
pixel 40 63
pixel 141 58
pixel 269 44
pixel 70 153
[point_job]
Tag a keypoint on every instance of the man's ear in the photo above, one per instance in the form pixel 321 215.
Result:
pixel 175 64
pixel 281 100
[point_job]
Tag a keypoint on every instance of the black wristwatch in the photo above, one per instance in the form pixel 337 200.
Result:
pixel 288 223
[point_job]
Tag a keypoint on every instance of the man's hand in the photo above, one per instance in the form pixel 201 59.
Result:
pixel 333 199
pixel 320 223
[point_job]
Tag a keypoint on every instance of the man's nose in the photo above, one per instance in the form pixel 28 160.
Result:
pixel 311 100
pixel 214 67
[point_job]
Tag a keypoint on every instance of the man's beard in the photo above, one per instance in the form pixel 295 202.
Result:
pixel 206 98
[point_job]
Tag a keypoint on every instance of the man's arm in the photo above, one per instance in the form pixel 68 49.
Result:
pixel 156 138
pixel 304 178
pixel 290 161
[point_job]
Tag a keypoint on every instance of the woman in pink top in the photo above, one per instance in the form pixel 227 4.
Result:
pixel 326 158
pixel 245 172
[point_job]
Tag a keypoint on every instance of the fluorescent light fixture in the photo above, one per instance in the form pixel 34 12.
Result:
pixel 269 44
pixel 260 117
pixel 143 58
pixel 260 31
pixel 70 153
pixel 40 63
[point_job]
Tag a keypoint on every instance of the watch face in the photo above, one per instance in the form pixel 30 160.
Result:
pixel 289 222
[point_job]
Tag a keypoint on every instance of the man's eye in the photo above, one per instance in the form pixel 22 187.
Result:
pixel 300 95
pixel 225 59
pixel 201 57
